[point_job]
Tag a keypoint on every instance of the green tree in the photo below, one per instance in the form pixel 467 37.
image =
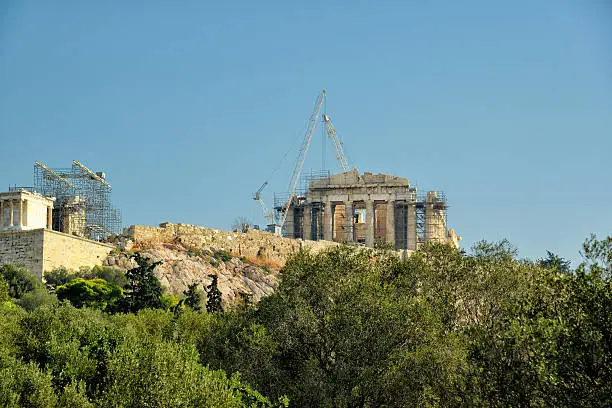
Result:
pixel 553 261
pixel 597 256
pixel 213 294
pixel 193 297
pixel 24 287
pixel 164 374
pixel 24 385
pixel 20 280
pixel 4 291
pixel 350 327
pixel 109 274
pixel 143 289
pixel 58 276
pixel 96 293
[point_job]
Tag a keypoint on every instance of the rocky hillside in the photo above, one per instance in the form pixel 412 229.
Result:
pixel 181 267
pixel 245 263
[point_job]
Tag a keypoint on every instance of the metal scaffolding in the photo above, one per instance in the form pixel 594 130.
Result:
pixel 281 200
pixel 82 205
pixel 417 217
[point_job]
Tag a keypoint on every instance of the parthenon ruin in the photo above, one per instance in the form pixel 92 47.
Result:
pixel 368 208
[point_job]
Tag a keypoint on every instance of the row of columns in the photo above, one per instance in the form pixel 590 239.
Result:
pixel 22 205
pixel 11 208
pixel 349 231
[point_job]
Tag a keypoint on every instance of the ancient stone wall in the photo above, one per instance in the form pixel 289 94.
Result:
pixel 23 248
pixel 252 244
pixel 61 249
pixel 42 250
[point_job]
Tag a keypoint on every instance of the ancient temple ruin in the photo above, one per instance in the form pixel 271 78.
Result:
pixel 367 208
pixel 23 210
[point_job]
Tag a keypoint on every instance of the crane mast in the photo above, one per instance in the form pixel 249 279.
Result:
pixel 314 117
pixel 268 214
pixel 331 133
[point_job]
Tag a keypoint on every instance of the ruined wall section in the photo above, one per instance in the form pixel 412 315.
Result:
pixel 23 248
pixel 41 250
pixel 60 249
pixel 253 244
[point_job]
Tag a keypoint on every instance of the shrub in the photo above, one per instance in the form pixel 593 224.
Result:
pixel 96 293
pixel 58 276
pixel 20 280
pixel 222 255
pixel 35 299
pixel 109 274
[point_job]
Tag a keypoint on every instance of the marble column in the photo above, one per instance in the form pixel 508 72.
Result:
pixel 369 236
pixel 307 222
pixel 49 217
pixel 289 222
pixel 20 213
pixel 349 222
pixel 1 214
pixel 390 227
pixel 429 222
pixel 12 215
pixel 411 226
pixel 328 221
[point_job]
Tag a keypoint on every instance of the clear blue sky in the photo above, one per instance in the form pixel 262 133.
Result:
pixel 189 106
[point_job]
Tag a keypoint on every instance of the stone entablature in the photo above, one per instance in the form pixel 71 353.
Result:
pixel 24 210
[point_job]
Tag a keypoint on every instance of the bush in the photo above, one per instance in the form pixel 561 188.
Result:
pixel 168 375
pixel 4 291
pixel 20 280
pixel 222 255
pixel 35 299
pixel 111 275
pixel 58 276
pixel 96 293
pixel 24 385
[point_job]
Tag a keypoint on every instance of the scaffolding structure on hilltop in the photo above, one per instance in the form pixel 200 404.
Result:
pixel 424 224
pixel 82 205
pixel 281 202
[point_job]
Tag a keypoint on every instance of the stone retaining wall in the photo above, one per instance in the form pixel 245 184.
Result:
pixel 23 248
pixel 42 250
pixel 252 244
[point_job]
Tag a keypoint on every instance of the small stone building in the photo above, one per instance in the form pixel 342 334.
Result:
pixel 367 208
pixel 24 210
pixel 27 237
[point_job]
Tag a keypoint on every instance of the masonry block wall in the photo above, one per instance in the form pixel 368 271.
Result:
pixel 23 248
pixel 42 250
pixel 252 244
pixel 61 249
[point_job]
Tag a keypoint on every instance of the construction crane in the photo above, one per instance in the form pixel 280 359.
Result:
pixel 331 133
pixel 312 124
pixel 270 219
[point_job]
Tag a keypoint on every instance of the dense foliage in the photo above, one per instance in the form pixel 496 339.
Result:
pixel 350 327
pixel 96 293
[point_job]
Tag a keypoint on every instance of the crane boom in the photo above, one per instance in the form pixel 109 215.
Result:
pixel 267 213
pixel 331 133
pixel 314 117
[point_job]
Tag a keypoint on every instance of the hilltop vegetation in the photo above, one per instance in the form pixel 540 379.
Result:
pixel 346 327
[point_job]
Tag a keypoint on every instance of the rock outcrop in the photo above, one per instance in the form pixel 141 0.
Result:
pixel 181 267
pixel 245 263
